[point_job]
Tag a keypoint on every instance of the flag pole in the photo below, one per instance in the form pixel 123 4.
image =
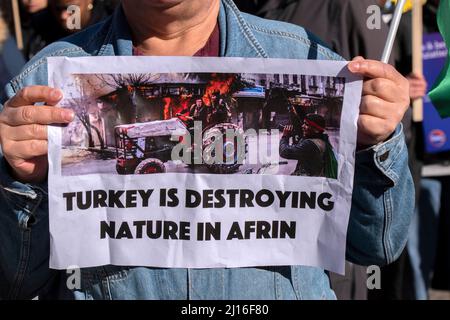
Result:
pixel 393 31
pixel 17 24
pixel 417 37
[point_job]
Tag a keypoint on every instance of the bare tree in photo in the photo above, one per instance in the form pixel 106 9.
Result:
pixel 132 81
pixel 128 87
pixel 80 106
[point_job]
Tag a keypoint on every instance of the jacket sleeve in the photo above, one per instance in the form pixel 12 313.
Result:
pixel 299 151
pixel 377 233
pixel 287 151
pixel 24 236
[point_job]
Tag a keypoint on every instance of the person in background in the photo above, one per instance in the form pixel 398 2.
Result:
pixel 341 25
pixel 437 263
pixel 91 11
pixel 427 233
pixel 34 6
pixel 44 25
pixel 11 59
pixel 29 11
pixel 397 281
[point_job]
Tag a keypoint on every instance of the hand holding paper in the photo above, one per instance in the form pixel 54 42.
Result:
pixel 23 130
pixel 385 99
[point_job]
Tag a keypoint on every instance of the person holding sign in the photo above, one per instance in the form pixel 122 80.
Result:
pixel 382 199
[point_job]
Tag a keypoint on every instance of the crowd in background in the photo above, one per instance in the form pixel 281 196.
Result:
pixel 341 24
pixel 42 22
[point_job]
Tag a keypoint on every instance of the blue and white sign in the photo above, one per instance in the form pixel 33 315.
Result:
pixel 436 130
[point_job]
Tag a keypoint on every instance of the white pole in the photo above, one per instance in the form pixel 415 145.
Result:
pixel 417 30
pixel 393 30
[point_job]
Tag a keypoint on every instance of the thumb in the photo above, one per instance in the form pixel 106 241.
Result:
pixel 358 58
pixel 354 64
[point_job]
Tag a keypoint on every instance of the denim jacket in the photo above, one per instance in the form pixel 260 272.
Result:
pixel 381 209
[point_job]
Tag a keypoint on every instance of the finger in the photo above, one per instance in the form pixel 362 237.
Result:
pixel 34 94
pixel 376 69
pixel 25 132
pixel 420 88
pixel 415 75
pixel 417 83
pixel 376 107
pixel 381 88
pixel 358 58
pixel 25 149
pixel 36 115
pixel 417 94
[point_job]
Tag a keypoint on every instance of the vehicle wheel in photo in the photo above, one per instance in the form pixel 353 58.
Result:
pixel 121 169
pixel 229 147
pixel 150 166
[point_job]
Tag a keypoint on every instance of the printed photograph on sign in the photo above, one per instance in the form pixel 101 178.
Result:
pixel 214 123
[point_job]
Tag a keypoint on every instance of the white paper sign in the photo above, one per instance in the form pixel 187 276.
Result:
pixel 202 162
